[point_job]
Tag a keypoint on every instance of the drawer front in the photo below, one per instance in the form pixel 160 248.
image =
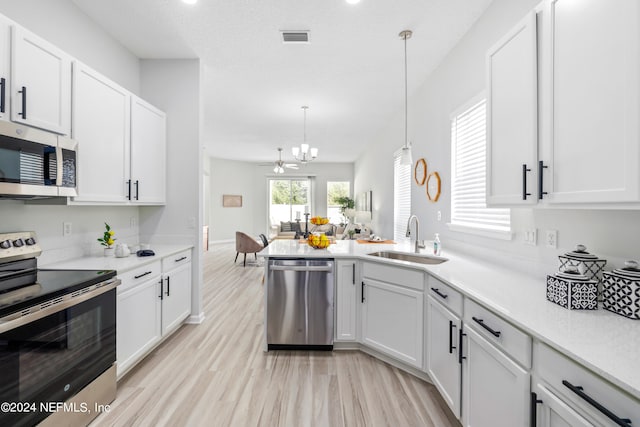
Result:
pixel 445 295
pixel 579 386
pixel 139 276
pixel 401 276
pixel 498 331
pixel 175 261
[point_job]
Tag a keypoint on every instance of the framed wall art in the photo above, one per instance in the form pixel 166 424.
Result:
pixel 231 201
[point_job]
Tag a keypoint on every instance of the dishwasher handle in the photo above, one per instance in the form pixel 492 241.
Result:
pixel 328 268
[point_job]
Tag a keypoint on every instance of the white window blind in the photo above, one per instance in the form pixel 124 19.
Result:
pixel 468 171
pixel 401 198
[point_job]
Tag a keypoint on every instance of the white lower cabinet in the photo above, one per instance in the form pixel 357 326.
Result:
pixel 392 320
pixel 345 300
pixel 442 352
pixel 176 290
pixel 139 315
pixel 548 410
pixel 496 390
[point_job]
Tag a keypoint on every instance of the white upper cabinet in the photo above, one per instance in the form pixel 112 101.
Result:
pixel 5 68
pixel 512 119
pixel 40 83
pixel 590 141
pixel 148 153
pixel 101 125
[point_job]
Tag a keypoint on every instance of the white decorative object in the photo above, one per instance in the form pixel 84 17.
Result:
pixel 109 251
pixel 572 290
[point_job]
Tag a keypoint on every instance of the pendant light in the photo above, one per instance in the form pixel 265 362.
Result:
pixel 304 154
pixel 405 156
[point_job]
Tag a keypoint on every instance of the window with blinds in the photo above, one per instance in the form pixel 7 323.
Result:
pixel 468 172
pixel 401 198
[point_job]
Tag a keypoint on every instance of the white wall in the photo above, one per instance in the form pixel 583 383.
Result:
pixel 63 24
pixel 611 234
pixel 250 181
pixel 174 87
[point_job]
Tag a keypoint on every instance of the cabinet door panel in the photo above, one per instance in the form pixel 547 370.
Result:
pixel 148 153
pixel 512 137
pixel 392 321
pixel 101 125
pixel 45 71
pixel 594 104
pixel 496 389
pixel 553 412
pixel 442 353
pixel 5 68
pixel 138 323
pixel 176 303
pixel 346 301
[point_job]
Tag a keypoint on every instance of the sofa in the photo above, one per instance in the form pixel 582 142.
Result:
pixel 287 230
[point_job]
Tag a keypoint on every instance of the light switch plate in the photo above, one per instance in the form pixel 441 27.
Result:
pixel 531 237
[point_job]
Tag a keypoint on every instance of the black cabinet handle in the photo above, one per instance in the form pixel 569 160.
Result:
pixel 451 327
pixel 460 356
pixel 534 409
pixel 137 184
pixel 624 422
pixel 129 190
pixel 3 96
pixel 353 272
pixel 23 113
pixel 168 286
pixel 142 275
pixel 440 294
pixel 161 290
pixel 362 293
pixel 481 323
pixel 541 168
pixel 525 169
pixel 180 259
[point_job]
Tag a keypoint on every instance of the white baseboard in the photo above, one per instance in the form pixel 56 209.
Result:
pixel 217 242
pixel 195 319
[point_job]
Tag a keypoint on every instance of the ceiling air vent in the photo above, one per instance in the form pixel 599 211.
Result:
pixel 295 36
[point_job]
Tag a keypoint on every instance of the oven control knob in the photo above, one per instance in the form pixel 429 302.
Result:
pixel 30 241
pixel 5 244
pixel 18 243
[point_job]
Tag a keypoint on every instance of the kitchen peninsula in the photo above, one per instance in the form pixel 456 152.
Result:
pixel 513 340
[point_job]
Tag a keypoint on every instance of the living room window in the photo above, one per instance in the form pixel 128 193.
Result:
pixel 335 190
pixel 289 199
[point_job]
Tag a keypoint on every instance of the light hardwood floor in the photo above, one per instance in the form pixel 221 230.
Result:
pixel 216 373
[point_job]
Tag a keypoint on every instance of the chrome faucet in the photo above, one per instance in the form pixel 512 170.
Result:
pixel 419 245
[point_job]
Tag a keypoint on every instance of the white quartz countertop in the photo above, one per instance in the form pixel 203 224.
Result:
pixel 121 265
pixel 604 342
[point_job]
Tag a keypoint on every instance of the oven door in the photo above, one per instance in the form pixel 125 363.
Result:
pixel 53 357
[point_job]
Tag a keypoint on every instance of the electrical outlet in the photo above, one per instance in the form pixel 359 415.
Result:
pixel 439 215
pixel 551 238
pixel 531 237
pixel 133 221
pixel 66 229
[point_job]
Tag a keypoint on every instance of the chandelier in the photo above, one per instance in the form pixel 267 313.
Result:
pixel 304 154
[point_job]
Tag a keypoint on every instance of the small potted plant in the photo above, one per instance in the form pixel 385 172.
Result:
pixel 107 240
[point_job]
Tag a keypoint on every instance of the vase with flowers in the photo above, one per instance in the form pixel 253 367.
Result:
pixel 107 240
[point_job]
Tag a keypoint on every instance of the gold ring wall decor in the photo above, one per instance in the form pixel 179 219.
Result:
pixel 433 186
pixel 420 171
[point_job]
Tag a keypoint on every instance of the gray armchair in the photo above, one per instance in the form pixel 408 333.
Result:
pixel 246 244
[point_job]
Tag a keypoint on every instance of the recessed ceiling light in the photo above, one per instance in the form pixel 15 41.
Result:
pixel 190 1
pixel 353 1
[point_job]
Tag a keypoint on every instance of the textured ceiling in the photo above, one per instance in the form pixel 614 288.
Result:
pixel 351 74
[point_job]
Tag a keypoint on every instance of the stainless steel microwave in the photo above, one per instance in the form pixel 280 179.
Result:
pixel 35 163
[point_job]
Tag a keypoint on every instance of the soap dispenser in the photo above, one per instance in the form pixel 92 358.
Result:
pixel 437 246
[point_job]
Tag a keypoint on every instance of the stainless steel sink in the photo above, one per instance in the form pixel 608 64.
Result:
pixel 405 256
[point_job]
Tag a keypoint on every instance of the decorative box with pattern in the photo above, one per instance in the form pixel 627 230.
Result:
pixel 588 264
pixel 572 290
pixel 621 290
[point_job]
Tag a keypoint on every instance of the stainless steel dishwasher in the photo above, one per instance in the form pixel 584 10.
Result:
pixel 300 304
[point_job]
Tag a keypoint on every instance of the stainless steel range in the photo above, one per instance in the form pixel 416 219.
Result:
pixel 57 338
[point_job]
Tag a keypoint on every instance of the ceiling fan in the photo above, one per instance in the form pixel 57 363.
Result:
pixel 280 164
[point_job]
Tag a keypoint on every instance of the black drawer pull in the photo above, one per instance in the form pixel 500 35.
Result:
pixel 161 289
pixel 362 293
pixel 624 422
pixel 525 169
pixel 440 294
pixel 353 273
pixel 534 410
pixel 24 103
pixel 129 190
pixel 541 168
pixel 3 96
pixel 460 356
pixel 451 327
pixel 181 259
pixel 141 275
pixel 481 323
pixel 168 286
pixel 137 184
